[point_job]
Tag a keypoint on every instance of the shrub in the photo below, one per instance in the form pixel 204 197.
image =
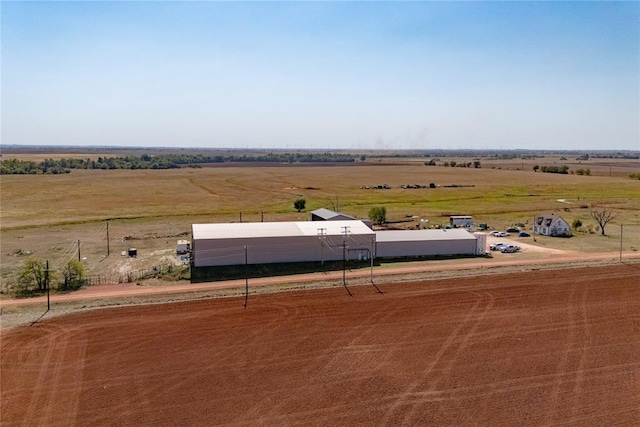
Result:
pixel 378 215
pixel 300 204
pixel 72 276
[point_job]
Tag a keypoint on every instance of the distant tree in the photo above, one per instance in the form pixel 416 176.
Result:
pixel 576 223
pixel 603 217
pixel 378 215
pixel 476 164
pixel 300 204
pixel 536 168
pixel 72 276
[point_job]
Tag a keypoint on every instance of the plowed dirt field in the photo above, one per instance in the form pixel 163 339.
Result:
pixel 540 348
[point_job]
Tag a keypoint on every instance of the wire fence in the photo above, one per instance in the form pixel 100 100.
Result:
pixel 131 276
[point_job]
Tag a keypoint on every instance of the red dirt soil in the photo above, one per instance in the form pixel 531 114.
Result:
pixel 538 348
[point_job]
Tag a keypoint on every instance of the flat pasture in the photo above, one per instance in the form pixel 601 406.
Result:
pixel 46 215
pixel 538 348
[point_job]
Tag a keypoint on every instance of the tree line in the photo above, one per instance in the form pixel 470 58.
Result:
pixel 160 161
pixel 35 277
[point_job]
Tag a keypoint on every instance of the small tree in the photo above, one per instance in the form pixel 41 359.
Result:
pixel 300 204
pixel 576 223
pixel 603 217
pixel 535 168
pixel 378 215
pixel 72 276
pixel 32 276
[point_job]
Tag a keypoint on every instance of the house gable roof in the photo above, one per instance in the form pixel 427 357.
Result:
pixel 545 220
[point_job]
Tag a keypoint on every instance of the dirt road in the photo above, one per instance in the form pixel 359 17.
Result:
pixel 459 266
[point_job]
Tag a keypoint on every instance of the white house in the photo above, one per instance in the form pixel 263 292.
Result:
pixel 553 225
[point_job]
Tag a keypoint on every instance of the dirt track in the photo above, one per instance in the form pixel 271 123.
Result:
pixel 538 348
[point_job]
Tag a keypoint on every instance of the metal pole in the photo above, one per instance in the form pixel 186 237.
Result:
pixel 78 250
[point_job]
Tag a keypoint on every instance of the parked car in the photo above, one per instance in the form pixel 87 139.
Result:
pixel 524 234
pixel 509 249
pixel 496 246
pixel 495 233
pixel 513 230
pixel 503 234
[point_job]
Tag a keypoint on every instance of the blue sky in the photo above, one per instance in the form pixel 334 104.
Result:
pixel 352 75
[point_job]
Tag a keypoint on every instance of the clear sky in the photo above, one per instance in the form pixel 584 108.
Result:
pixel 353 75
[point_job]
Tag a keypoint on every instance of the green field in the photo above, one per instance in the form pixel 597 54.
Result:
pixel 45 215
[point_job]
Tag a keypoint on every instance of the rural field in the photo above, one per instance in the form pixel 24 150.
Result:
pixel 502 340
pixel 61 217
pixel 540 348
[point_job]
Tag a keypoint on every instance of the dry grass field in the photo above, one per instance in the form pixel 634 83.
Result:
pixel 46 215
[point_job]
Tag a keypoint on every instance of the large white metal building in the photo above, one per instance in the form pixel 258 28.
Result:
pixel 314 241
pixel 279 242
pixel 427 243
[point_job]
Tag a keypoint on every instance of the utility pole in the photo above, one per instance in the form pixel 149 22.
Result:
pixel 78 250
pixel 345 230
pixel 246 280
pixel 261 216
pixel 621 242
pixel 534 227
pixel 321 233
pixel 240 216
pixel 46 283
pixel 108 238
pixel 371 256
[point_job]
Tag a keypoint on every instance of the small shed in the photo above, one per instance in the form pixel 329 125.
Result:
pixel 183 247
pixel 461 221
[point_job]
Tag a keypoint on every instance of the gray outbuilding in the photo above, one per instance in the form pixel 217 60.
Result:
pixel 425 243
